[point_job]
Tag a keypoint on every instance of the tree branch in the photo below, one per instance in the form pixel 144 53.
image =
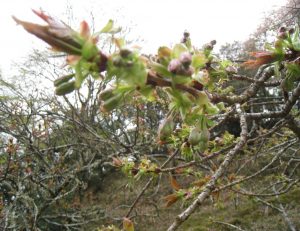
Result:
pixel 213 181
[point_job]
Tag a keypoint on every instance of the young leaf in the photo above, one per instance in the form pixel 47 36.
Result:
pixel 112 103
pixel 117 162
pixel 148 92
pixel 194 136
pixel 160 69
pixel 178 49
pixel 174 183
pixel 65 88
pixel 164 52
pixel 108 26
pixel 79 77
pixel 171 199
pixel 127 224
pixel 295 39
pixel 63 79
pixel 89 50
pixel 199 60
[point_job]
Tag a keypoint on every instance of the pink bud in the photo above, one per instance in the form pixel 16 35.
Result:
pixel 185 58
pixel 174 66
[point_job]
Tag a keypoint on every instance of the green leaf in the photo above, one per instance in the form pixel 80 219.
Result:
pixel 79 76
pixel 138 75
pixel 277 69
pixel 180 102
pixel 112 103
pixel 108 26
pixel 3 159
pixel 210 123
pixel 178 49
pixel 188 44
pixel 221 106
pixel 295 39
pixel 124 89
pixel 186 152
pixel 89 50
pixel 211 109
pixel 228 138
pixel 269 47
pixel 106 94
pixel 147 92
pixel 287 85
pixel 132 71
pixel 293 69
pixel 225 63
pixel 199 60
pixel 202 99
pixel 181 79
pixel 164 52
pixel 160 69
pixel 292 75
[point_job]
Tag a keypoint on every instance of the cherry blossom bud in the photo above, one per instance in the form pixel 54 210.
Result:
pixel 194 137
pixel 166 128
pixel 174 66
pixel 65 88
pixel 186 59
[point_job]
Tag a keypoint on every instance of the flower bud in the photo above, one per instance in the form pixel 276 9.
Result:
pixel 102 62
pixel 174 66
pixel 117 61
pixel 197 85
pixel 186 59
pixel 186 71
pixel 213 42
pixel 186 151
pixel 291 31
pixel 62 80
pixel 111 103
pixel 189 71
pixel 124 53
pixel 65 88
pixel 186 34
pixel 106 94
pixel 204 135
pixel 183 40
pixel 282 35
pixel 208 47
pixel 194 137
pixel 203 146
pixel 166 128
pixel 89 50
pixel 282 29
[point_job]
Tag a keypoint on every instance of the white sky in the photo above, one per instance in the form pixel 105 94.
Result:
pixel 157 22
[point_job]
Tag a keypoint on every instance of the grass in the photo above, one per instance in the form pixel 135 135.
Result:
pixel 116 196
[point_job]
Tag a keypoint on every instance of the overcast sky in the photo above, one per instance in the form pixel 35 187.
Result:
pixel 156 22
